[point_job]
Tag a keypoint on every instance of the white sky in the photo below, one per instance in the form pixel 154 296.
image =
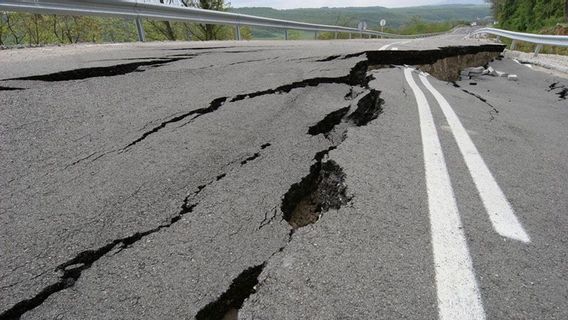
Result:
pixel 287 4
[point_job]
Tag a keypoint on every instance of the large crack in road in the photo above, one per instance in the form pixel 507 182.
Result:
pixel 492 113
pixel 95 72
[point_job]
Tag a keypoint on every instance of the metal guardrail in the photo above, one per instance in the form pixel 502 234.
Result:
pixel 538 39
pixel 138 9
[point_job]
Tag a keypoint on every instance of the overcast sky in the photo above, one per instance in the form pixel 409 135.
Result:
pixel 287 4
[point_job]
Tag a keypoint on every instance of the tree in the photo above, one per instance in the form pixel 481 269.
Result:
pixel 2 28
pixel 246 33
pixel 529 15
pixel 166 28
pixel 206 32
pixel 15 27
pixel 73 29
pixel 294 35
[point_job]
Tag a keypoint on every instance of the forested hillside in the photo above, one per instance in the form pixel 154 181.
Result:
pixel 531 15
pixel 409 20
pixel 396 17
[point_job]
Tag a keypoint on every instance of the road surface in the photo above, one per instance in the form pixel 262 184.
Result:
pixel 277 180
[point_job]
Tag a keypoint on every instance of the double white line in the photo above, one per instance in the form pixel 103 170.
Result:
pixel 458 293
pixel 386 46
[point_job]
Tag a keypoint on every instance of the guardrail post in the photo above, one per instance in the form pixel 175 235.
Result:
pixel 238 32
pixel 336 35
pixel 498 39
pixel 286 34
pixel 514 45
pixel 316 34
pixel 537 50
pixel 350 36
pixel 140 29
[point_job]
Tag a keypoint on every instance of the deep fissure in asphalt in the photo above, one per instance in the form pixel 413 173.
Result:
pixel 330 58
pixel 94 72
pixel 213 106
pixel 368 109
pixel 322 189
pixel 328 122
pixel 562 90
pixel 10 89
pixel 357 76
pixel 228 304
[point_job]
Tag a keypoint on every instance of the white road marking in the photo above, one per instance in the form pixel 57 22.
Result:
pixel 523 64
pixel 386 46
pixel 498 207
pixel 458 294
pixel 394 49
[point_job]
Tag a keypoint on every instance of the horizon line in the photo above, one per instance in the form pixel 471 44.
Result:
pixel 419 6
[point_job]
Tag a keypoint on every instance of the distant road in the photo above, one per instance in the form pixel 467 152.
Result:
pixel 277 180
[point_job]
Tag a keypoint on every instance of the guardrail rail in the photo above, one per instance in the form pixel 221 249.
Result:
pixel 538 39
pixel 144 9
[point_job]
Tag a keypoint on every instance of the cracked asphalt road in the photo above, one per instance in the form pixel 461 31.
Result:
pixel 144 191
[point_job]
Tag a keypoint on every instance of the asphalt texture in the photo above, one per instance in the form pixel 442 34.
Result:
pixel 150 181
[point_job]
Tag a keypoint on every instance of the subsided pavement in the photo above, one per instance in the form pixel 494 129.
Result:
pixel 281 180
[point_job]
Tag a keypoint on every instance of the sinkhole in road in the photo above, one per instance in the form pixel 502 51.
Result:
pixel 322 189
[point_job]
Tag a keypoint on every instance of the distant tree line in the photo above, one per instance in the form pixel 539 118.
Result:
pixel 530 15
